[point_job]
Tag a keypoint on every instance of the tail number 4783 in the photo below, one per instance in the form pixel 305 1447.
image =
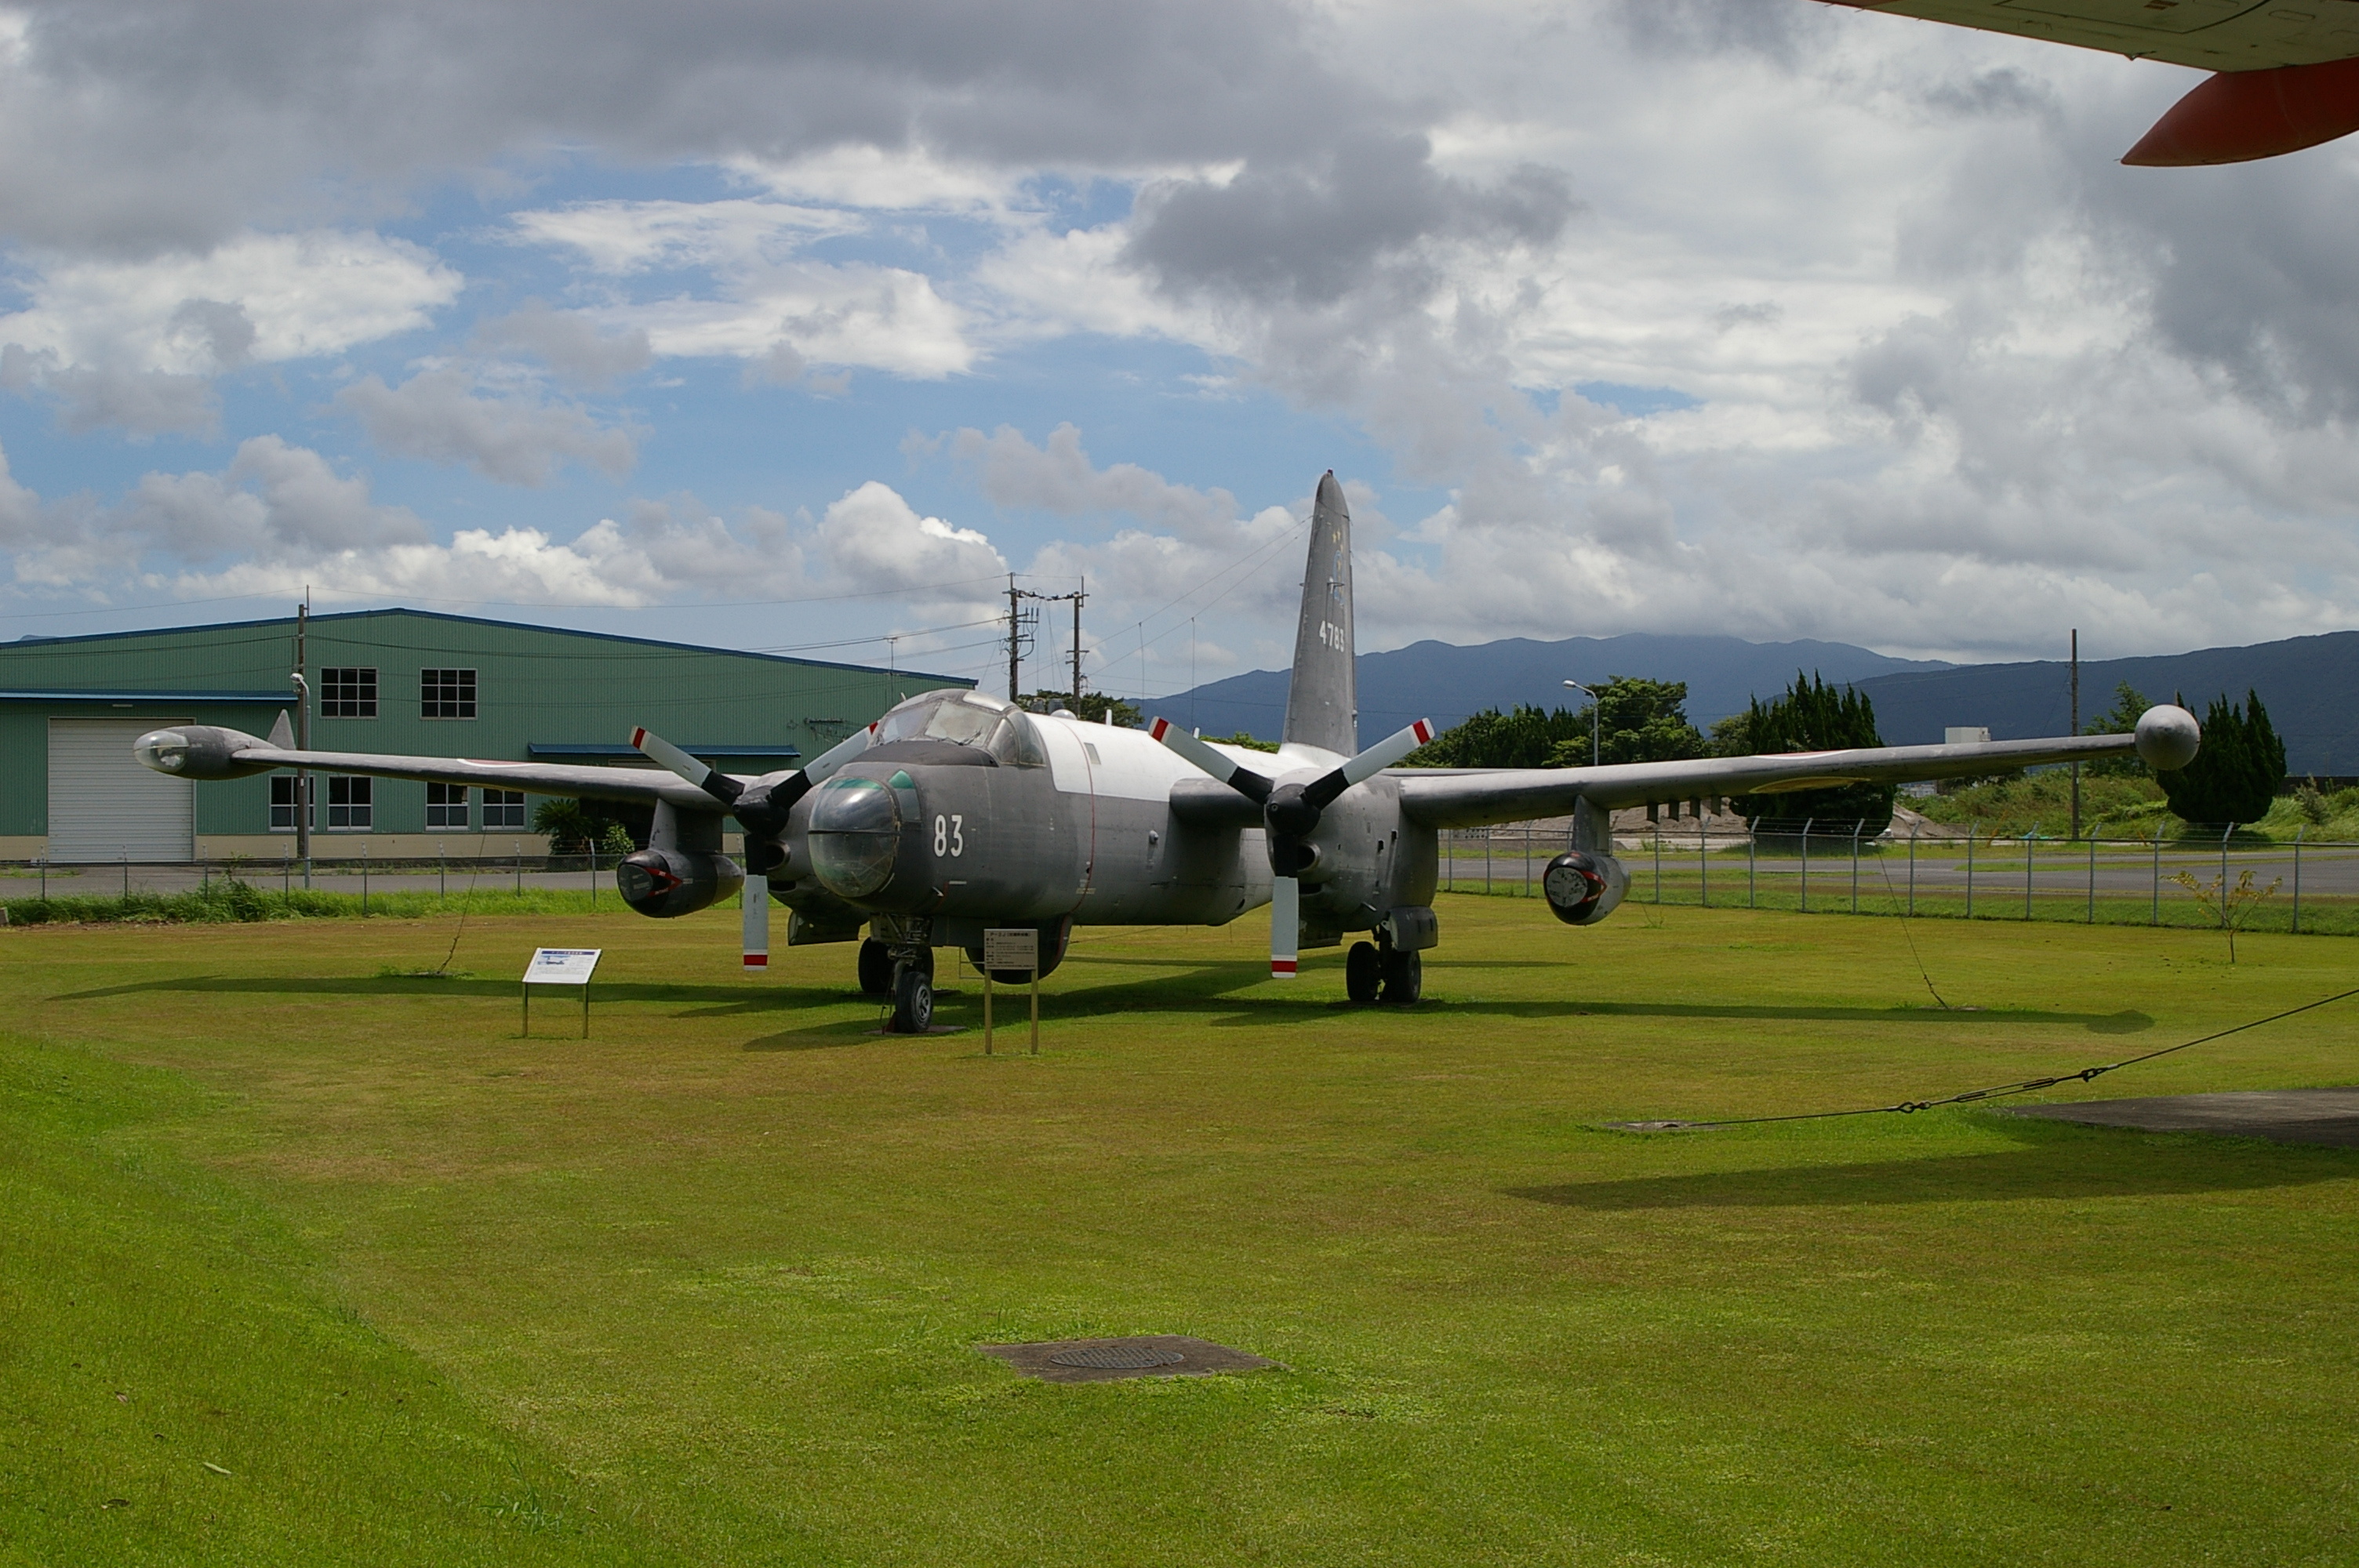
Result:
pixel 950 836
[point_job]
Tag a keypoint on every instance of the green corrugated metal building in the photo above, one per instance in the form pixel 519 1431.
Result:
pixel 381 680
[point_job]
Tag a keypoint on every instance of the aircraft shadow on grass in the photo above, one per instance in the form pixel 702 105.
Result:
pixel 2061 1162
pixel 1206 989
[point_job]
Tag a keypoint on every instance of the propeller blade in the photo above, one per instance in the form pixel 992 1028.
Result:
pixel 713 781
pixel 1387 751
pixel 1285 926
pixel 1321 791
pixel 822 768
pixel 757 923
pixel 1228 771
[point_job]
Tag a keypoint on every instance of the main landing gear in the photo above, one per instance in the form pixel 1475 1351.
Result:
pixel 904 975
pixel 1373 974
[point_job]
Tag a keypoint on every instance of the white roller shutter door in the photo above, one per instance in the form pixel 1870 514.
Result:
pixel 103 806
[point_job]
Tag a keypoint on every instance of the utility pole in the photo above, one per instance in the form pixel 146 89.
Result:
pixel 2076 730
pixel 1083 593
pixel 1018 618
pixel 303 736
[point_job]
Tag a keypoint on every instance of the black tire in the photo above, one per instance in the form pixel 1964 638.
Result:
pixel 913 999
pixel 875 969
pixel 1364 973
pixel 1404 979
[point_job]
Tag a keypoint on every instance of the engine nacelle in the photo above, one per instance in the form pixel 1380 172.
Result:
pixel 1583 887
pixel 666 884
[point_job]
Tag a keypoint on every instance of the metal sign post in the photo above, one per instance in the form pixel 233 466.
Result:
pixel 560 967
pixel 1011 947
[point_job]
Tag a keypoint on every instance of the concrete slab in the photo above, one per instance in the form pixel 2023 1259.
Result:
pixel 2328 1117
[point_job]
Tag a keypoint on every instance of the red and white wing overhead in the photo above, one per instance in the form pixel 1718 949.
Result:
pixel 2288 74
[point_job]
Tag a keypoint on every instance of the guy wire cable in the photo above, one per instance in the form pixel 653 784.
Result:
pixel 2002 1091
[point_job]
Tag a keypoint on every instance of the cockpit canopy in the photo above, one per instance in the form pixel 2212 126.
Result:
pixel 999 729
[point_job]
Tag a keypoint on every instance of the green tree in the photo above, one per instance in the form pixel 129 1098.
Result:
pixel 573 826
pixel 2129 704
pixel 1811 717
pixel 2234 777
pixel 1528 738
pixel 1245 740
pixel 1641 722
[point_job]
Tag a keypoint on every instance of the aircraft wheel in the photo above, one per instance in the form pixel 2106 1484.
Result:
pixel 913 999
pixel 1364 973
pixel 875 969
pixel 1404 979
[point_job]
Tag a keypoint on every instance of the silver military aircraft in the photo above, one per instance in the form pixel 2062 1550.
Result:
pixel 956 812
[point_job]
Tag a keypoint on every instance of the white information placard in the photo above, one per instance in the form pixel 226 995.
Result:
pixel 562 965
pixel 1011 947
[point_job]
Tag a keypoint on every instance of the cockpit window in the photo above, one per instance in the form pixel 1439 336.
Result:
pixel 967 718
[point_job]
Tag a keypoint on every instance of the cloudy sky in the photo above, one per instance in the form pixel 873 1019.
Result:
pixel 796 326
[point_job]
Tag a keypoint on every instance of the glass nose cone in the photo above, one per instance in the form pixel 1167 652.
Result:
pixel 166 750
pixel 856 834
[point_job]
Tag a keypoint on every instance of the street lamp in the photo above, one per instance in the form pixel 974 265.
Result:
pixel 1596 720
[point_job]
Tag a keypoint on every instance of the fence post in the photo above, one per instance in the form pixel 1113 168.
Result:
pixel 1448 860
pixel 1752 861
pixel 2093 879
pixel 1807 821
pixel 2155 916
pixel 515 847
pixel 127 874
pixel 364 870
pixel 1703 864
pixel 1658 862
pixel 2297 879
pixel 2030 842
pixel 593 876
pixel 1856 826
pixel 1528 860
pixel 1973 831
pixel 442 872
pixel 1486 859
pixel 2223 874
pixel 1913 871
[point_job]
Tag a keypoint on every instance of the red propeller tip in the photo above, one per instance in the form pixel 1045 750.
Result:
pixel 1160 726
pixel 1423 730
pixel 638 738
pixel 757 960
pixel 1282 967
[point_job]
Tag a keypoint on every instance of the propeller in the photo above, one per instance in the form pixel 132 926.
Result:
pixel 1290 813
pixel 761 810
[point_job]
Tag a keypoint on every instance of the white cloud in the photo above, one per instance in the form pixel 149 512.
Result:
pixel 263 298
pixel 516 439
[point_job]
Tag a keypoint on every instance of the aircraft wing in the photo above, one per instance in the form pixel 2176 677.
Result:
pixel 2288 76
pixel 1476 797
pixel 644 785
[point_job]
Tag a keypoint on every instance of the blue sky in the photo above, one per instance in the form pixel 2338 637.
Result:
pixel 801 327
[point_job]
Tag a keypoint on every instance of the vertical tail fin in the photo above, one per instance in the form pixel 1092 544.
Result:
pixel 1322 704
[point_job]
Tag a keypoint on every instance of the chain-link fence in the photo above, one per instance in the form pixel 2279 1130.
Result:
pixel 369 878
pixel 2211 880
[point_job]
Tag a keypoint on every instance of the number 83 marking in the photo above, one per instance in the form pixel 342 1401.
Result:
pixel 950 836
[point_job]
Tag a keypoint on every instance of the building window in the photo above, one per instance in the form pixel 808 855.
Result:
pixel 503 808
pixel 446 805
pixel 348 803
pixel 282 804
pixel 348 694
pixel 446 694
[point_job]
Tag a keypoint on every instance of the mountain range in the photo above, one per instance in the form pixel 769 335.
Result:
pixel 2309 684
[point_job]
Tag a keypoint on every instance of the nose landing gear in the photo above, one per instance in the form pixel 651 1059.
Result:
pixel 902 973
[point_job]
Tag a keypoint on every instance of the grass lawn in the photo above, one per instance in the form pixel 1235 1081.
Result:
pixel 705 1288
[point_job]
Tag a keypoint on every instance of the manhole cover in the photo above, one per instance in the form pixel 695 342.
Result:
pixel 1125 1357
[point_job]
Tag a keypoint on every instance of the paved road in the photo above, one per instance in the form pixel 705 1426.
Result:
pixel 107 881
